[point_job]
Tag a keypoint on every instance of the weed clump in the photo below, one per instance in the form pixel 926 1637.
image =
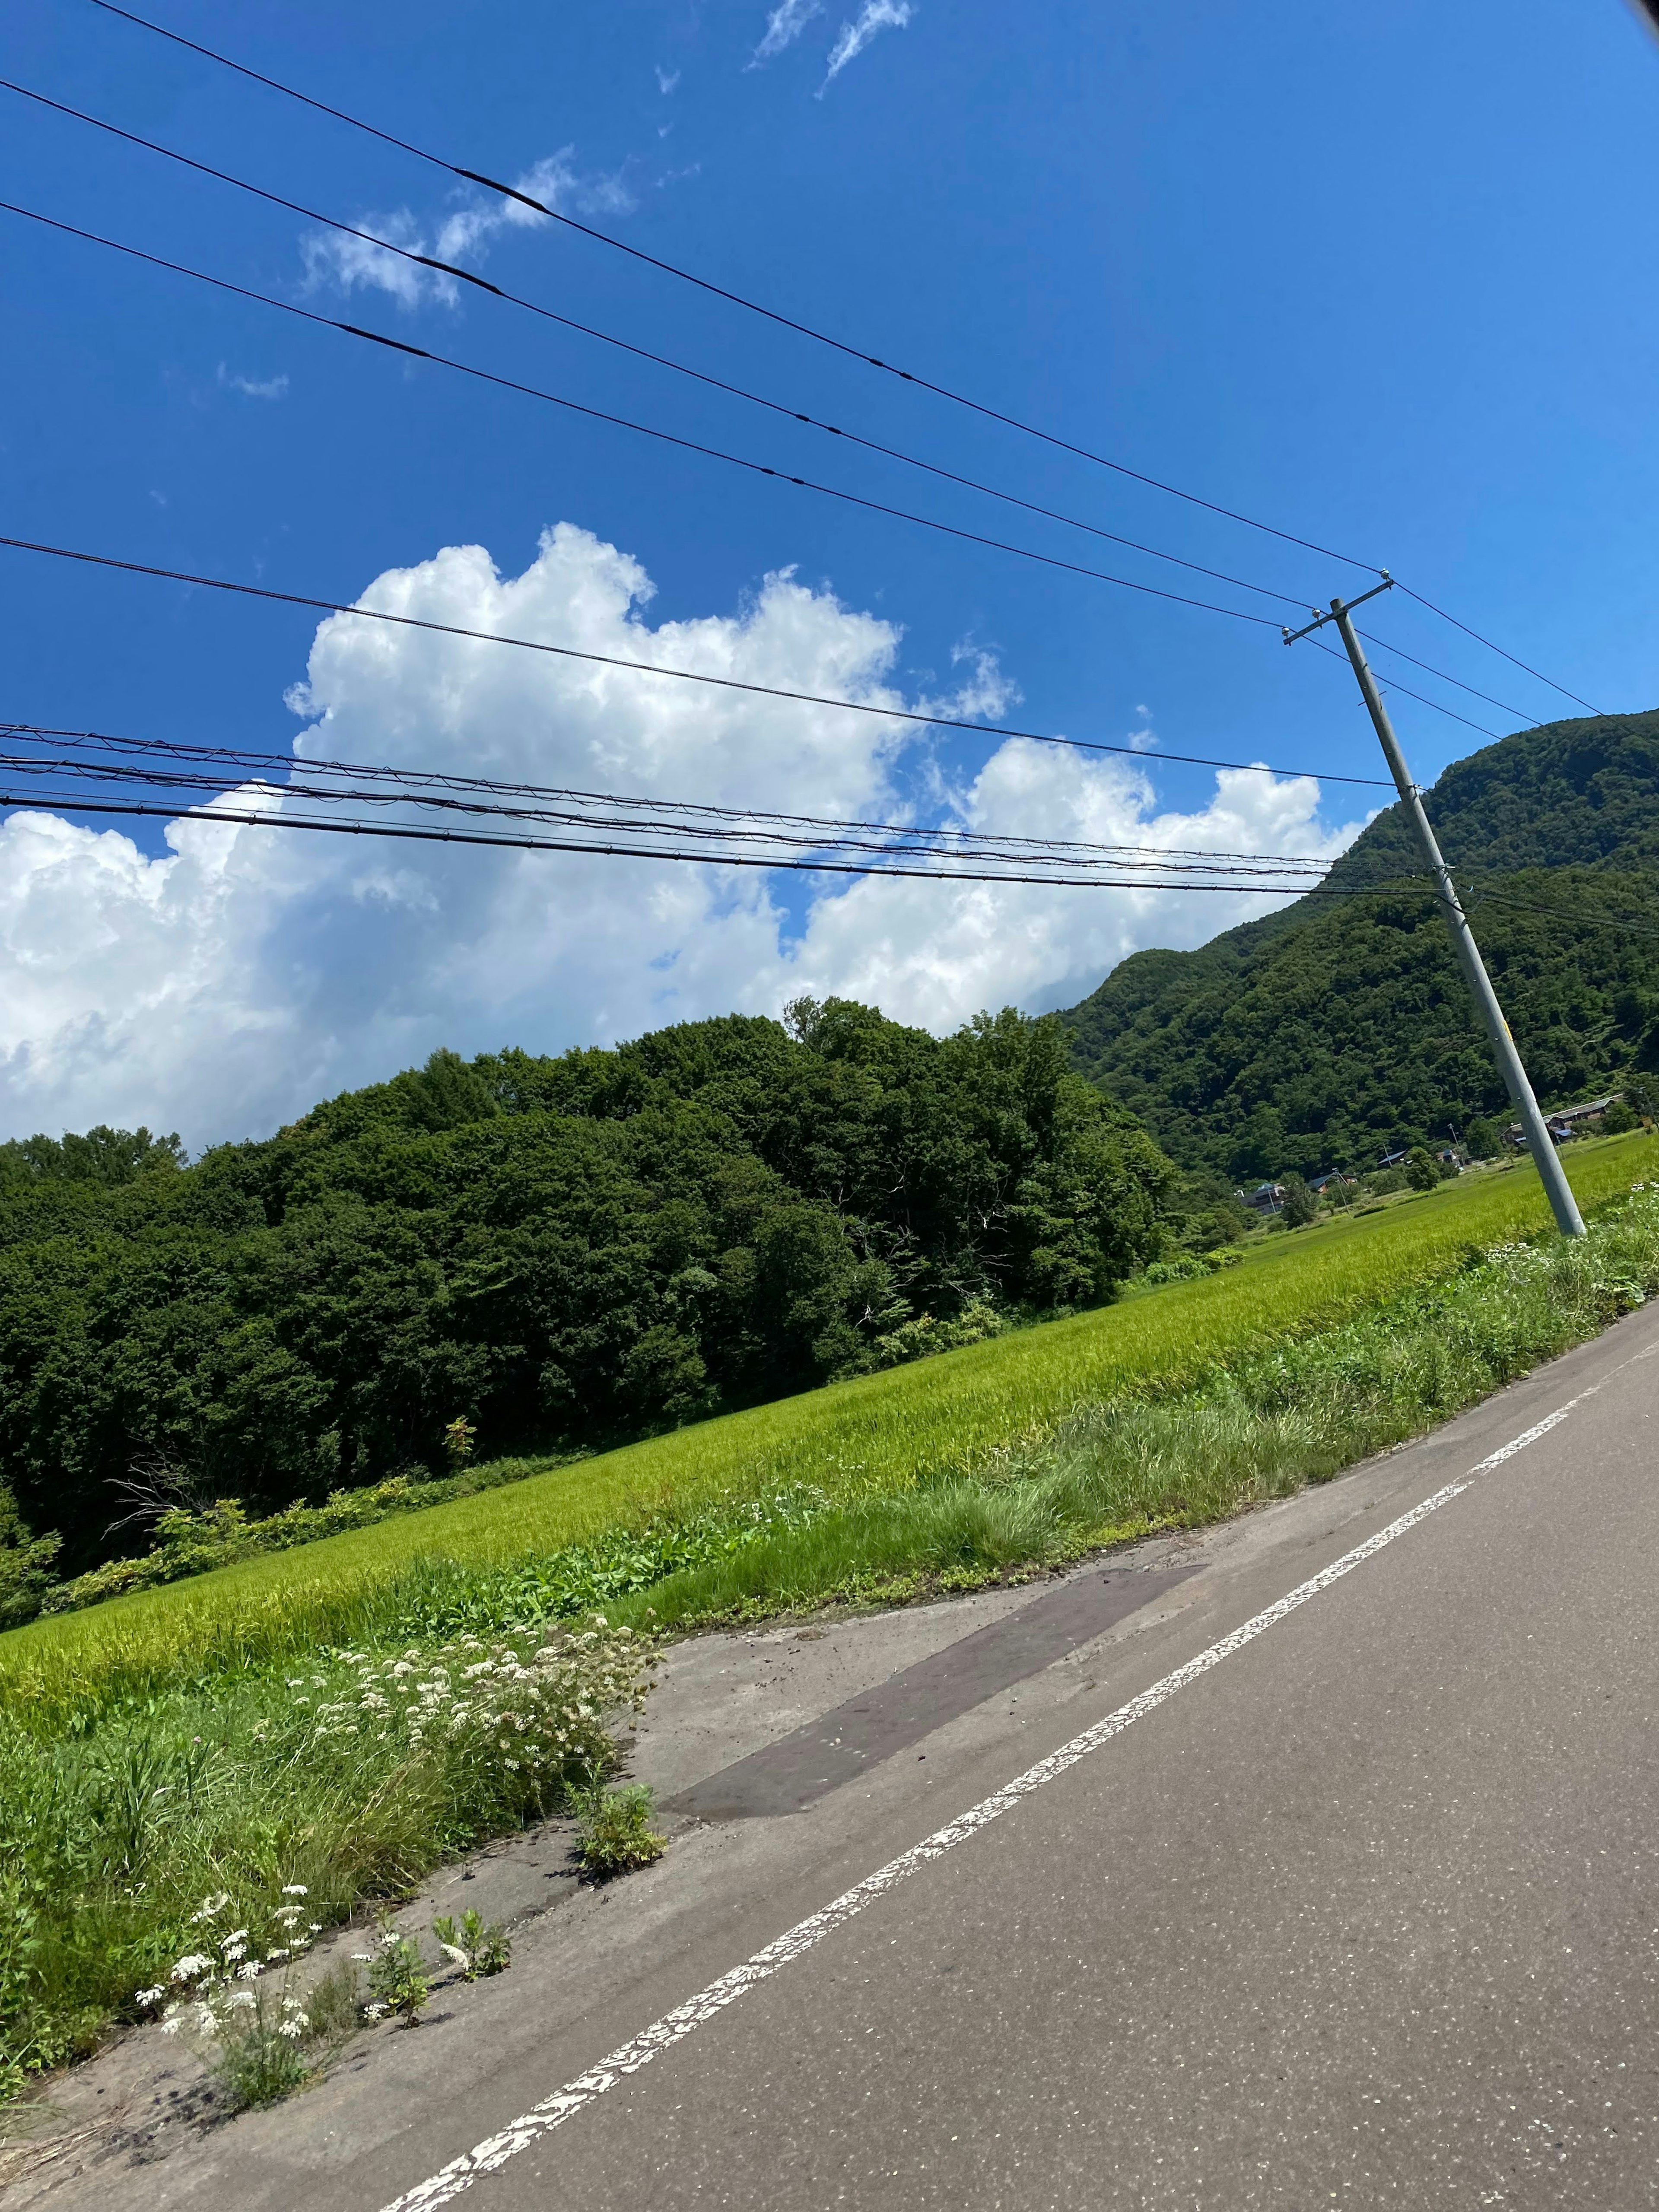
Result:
pixel 398 1981
pixel 479 1947
pixel 234 1998
pixel 614 1834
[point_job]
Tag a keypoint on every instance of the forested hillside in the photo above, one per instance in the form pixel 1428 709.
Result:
pixel 1326 1033
pixel 562 1251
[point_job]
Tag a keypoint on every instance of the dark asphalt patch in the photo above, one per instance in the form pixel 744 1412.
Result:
pixel 799 1769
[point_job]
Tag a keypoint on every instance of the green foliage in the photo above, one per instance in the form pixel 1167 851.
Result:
pixel 1338 1029
pixel 1259 1425
pixel 397 1980
pixel 1179 1267
pixel 1421 1171
pixel 479 1947
pixel 1619 1119
pixel 26 1565
pixel 192 1543
pixel 140 1776
pixel 1300 1206
pixel 110 1157
pixel 614 1834
pixel 1485 1139
pixel 571 1251
pixel 909 1426
pixel 340 1781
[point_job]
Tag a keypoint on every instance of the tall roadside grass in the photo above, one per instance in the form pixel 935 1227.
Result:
pixel 1262 1427
pixel 863 1446
pixel 120 1841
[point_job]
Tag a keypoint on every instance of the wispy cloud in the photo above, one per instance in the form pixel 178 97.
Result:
pixel 783 27
pixel 1145 737
pixel 253 387
pixel 335 259
pixel 667 80
pixel 875 15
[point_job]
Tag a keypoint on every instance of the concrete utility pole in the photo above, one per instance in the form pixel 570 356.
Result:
pixel 1551 1174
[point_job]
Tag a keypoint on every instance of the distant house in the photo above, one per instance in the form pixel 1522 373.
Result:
pixel 1335 1180
pixel 1567 1121
pixel 1265 1198
pixel 1394 1159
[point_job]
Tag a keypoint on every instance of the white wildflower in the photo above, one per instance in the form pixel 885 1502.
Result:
pixel 146 1998
pixel 188 1968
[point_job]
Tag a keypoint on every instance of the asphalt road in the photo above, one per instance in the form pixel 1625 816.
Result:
pixel 1362 1910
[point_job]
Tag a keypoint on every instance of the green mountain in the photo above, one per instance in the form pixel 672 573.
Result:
pixel 1326 1033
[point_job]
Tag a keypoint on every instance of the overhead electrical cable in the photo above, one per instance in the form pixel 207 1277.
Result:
pixel 1498 649
pixel 1400 654
pixel 804 330
pixel 1393 683
pixel 652 668
pixel 734 299
pixel 642 429
pixel 394 783
pixel 645 352
pixel 74 802
pixel 662 819
pixel 721 383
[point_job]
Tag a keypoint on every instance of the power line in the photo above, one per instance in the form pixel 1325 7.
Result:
pixel 645 352
pixel 721 383
pixel 829 491
pixel 1582 916
pixel 248 819
pixel 806 330
pixel 1467 632
pixel 642 429
pixel 651 668
pixel 1405 690
pixel 416 783
pixel 1400 654
pixel 664 820
pixel 734 299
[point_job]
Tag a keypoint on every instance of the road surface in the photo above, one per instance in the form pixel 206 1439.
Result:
pixel 1333 1880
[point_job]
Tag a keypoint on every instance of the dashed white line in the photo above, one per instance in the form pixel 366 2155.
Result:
pixel 493 2153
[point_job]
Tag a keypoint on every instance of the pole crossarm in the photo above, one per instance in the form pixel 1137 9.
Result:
pixel 1337 608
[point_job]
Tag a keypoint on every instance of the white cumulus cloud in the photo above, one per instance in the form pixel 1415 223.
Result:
pixel 225 985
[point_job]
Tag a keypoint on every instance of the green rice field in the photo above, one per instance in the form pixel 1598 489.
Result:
pixel 878 1435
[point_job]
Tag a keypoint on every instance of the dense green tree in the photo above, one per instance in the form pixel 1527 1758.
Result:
pixel 562 1251
pixel 1300 1206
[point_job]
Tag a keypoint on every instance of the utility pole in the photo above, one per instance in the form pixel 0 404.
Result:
pixel 1551 1174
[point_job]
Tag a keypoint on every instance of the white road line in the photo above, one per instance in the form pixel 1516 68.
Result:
pixel 494 2152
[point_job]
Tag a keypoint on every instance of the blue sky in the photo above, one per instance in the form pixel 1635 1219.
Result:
pixel 1384 278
